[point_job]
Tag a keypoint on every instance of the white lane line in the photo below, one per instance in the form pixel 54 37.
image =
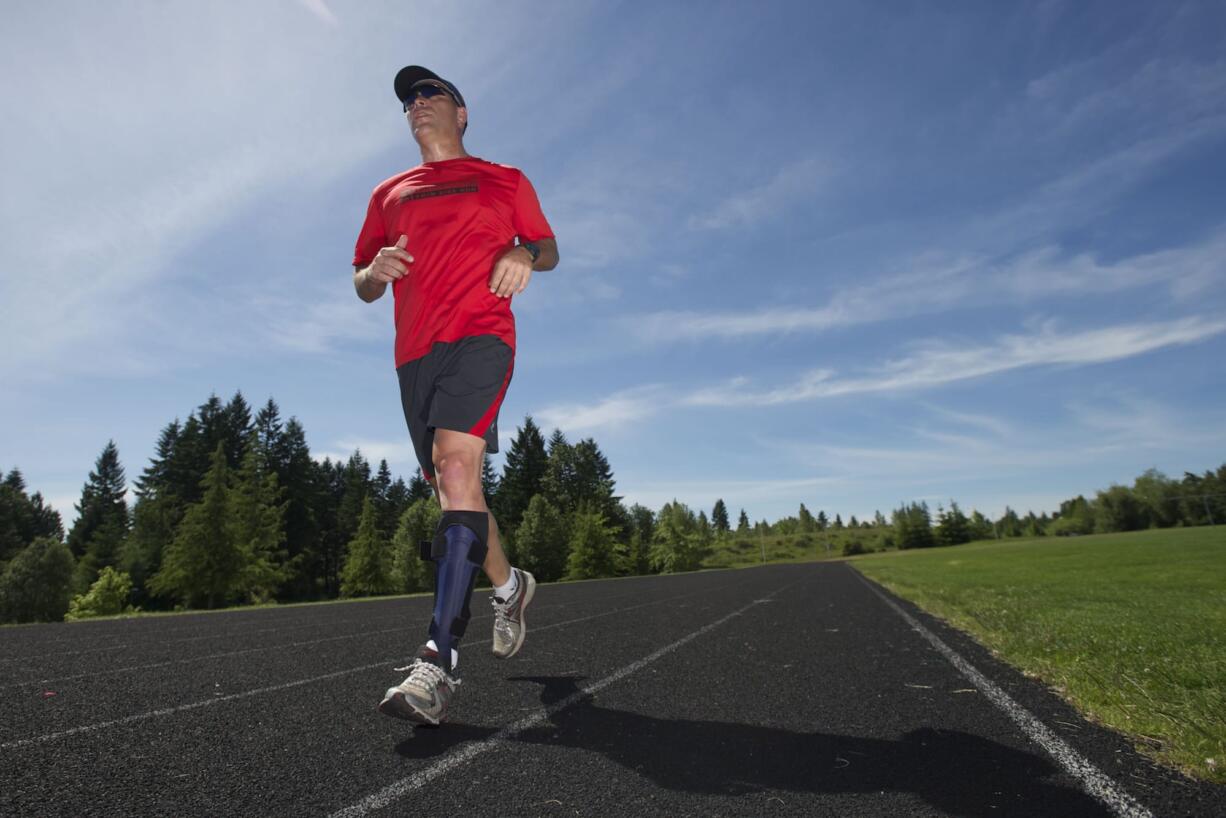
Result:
pixel 167 711
pixel 1096 783
pixel 446 764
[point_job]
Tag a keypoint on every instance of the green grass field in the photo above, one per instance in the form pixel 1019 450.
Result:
pixel 1131 628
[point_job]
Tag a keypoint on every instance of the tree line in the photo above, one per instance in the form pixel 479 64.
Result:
pixel 233 509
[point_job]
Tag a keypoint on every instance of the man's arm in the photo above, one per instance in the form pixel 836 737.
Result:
pixel 513 269
pixel 368 289
pixel 390 264
pixel 549 254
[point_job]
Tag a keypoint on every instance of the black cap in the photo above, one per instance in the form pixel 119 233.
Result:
pixel 410 75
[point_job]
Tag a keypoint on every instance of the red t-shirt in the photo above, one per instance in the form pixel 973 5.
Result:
pixel 459 215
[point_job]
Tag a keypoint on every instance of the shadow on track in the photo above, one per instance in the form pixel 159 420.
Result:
pixel 956 772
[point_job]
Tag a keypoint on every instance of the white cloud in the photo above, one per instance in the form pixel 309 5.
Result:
pixel 935 363
pixel 936 284
pixel 798 181
pixel 611 412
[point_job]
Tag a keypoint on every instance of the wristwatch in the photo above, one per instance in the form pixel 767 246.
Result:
pixel 532 249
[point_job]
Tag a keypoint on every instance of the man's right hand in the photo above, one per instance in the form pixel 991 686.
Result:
pixel 391 263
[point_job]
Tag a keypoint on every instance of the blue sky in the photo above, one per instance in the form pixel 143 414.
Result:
pixel 846 254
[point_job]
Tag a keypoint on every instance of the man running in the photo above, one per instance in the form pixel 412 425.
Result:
pixel 444 236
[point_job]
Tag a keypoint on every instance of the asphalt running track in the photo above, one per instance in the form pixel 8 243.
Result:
pixel 783 690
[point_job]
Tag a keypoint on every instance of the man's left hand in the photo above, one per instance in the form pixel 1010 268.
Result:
pixel 512 271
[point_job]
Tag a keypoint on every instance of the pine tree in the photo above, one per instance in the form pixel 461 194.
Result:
pixel 719 518
pixel 677 545
pixel 742 523
pixel 385 516
pixel 489 478
pixel 807 524
pixel 838 522
pixel 560 483
pixel 368 566
pixel 522 476
pixel 419 488
pixel 258 516
pixel 102 518
pixel 953 528
pixel 23 519
pixel 37 584
pixel 204 565
pixel 417 524
pixel 543 540
pixel 305 492
pixel 591 545
pixel 642 530
pixel 823 522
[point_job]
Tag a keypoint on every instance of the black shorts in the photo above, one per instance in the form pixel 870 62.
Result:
pixel 457 385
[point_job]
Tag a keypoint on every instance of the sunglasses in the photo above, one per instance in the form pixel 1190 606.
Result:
pixel 427 91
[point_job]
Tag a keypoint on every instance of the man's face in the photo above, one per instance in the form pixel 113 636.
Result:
pixel 436 115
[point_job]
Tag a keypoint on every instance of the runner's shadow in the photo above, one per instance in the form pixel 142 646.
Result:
pixel 959 773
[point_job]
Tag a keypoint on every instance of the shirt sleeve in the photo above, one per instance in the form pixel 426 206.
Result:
pixel 373 237
pixel 529 222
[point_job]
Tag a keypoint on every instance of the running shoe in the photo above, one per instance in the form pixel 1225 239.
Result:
pixel 423 696
pixel 509 627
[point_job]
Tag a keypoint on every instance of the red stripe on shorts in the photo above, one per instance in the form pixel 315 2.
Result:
pixel 479 429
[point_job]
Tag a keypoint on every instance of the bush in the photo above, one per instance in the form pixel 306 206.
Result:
pixel 106 597
pixel 37 583
pixel 853 547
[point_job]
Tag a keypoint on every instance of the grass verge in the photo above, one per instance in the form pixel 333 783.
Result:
pixel 1131 628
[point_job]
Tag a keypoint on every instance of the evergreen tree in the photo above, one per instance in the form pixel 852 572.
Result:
pixel 677 545
pixel 642 531
pixel 719 518
pixel 24 519
pixel 236 427
pixel 258 516
pixel 522 476
pixel 204 565
pixel 331 479
pixel 357 485
pixel 543 540
pixel 979 527
pixel 853 523
pixel 805 520
pixel 1009 525
pixel 308 503
pixel 823 522
pixel 838 523
pixel 385 514
pixel 269 433
pixel 560 483
pixel 417 525
pixel 591 545
pixel 419 488
pixel 102 518
pixel 742 523
pixel 913 526
pixel 368 566
pixel 489 478
pixel 37 583
pixel 953 528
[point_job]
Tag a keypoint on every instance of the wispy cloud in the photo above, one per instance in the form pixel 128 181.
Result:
pixel 935 284
pixel 611 412
pixel 799 180
pixel 937 363
pixel 320 9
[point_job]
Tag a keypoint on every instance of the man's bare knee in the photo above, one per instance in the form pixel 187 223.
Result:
pixel 457 472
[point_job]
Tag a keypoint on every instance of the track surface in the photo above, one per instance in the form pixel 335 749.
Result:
pixel 783 690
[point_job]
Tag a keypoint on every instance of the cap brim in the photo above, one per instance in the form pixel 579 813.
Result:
pixel 409 76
